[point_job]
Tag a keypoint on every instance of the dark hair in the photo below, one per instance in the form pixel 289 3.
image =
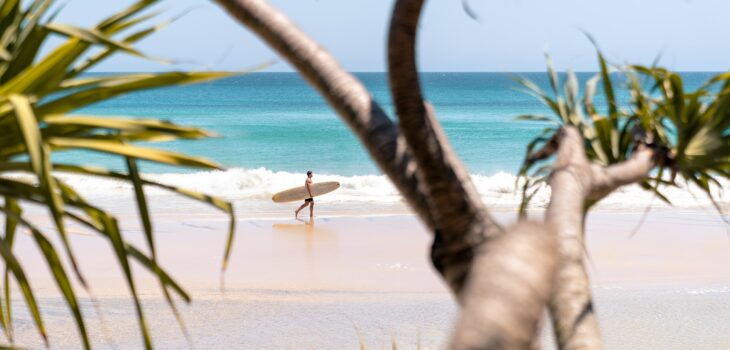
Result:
pixel 309 172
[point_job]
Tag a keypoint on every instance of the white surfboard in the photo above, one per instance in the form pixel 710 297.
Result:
pixel 300 193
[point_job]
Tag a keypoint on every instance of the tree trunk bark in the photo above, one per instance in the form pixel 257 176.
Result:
pixel 574 181
pixel 571 304
pixel 461 222
pixel 504 297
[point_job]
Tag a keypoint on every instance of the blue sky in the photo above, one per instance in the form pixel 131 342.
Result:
pixel 511 35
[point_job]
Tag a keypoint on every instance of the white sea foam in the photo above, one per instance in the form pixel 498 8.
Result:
pixel 709 290
pixel 253 185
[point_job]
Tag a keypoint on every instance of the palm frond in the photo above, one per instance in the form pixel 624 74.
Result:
pixel 689 130
pixel 37 92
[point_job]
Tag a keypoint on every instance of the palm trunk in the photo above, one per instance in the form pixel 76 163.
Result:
pixel 461 222
pixel 574 181
pixel 505 295
pixel 571 304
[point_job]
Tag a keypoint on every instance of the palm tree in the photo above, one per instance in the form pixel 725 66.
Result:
pixel 503 278
pixel 37 94
pixel 662 130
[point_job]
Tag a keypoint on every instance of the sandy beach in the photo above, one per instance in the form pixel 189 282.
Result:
pixel 177 119
pixel 336 281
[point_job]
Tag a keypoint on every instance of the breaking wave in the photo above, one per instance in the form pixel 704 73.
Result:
pixel 498 191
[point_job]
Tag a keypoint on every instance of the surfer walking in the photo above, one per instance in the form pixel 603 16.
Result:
pixel 308 201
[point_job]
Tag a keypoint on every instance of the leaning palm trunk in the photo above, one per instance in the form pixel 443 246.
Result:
pixel 571 305
pixel 575 182
pixel 429 175
pixel 461 222
pixel 505 294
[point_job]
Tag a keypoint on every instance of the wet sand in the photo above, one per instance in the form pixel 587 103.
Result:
pixel 316 284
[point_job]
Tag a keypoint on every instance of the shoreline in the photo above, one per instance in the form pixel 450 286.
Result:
pixel 172 205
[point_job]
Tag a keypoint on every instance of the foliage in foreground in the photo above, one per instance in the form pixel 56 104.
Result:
pixel 688 130
pixel 36 94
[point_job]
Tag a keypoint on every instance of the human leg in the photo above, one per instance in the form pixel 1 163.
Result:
pixel 296 212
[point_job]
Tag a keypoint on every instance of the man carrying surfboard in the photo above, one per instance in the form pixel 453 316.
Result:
pixel 306 192
pixel 307 201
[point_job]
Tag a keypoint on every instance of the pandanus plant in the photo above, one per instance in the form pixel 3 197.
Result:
pixel 688 132
pixel 662 136
pixel 38 93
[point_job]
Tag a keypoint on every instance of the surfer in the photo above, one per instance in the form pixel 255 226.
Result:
pixel 308 201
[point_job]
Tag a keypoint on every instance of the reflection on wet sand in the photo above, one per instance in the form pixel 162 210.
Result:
pixel 307 227
pixel 303 225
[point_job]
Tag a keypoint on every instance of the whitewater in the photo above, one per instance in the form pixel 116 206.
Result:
pixel 252 189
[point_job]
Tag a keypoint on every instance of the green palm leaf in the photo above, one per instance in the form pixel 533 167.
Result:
pixel 689 131
pixel 12 263
pixel 36 92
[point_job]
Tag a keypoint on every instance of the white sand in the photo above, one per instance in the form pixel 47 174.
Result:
pixel 295 285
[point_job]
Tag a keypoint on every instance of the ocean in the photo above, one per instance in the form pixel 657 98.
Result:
pixel 274 127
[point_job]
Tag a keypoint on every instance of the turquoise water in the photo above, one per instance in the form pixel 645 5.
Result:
pixel 276 121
